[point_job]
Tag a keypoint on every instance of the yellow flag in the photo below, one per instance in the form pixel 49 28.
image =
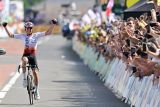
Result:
pixel 130 3
pixel 158 2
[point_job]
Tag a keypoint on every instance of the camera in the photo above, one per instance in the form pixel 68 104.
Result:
pixel 133 50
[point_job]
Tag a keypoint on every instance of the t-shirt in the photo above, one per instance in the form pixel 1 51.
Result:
pixel 30 42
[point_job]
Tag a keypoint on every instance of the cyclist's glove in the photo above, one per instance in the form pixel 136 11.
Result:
pixel 4 24
pixel 54 21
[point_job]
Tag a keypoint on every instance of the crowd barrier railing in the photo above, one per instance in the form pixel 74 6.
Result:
pixel 131 90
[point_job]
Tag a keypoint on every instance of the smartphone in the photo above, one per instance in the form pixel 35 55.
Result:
pixel 136 32
pixel 128 42
pixel 133 50
pixel 144 46
pixel 134 69
pixel 153 24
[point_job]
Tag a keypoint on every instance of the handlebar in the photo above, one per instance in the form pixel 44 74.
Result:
pixel 27 66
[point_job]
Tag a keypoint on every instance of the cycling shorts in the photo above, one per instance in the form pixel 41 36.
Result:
pixel 32 60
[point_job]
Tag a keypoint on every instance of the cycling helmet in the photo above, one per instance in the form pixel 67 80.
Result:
pixel 28 24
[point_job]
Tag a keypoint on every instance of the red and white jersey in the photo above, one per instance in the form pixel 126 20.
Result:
pixel 30 42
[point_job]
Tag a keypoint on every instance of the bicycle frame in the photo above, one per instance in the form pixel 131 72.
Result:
pixel 30 83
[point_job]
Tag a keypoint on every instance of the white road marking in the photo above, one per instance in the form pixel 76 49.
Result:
pixel 12 74
pixel 2 94
pixel 11 82
pixel 8 86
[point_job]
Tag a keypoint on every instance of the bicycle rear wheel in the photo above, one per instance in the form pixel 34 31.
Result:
pixel 29 89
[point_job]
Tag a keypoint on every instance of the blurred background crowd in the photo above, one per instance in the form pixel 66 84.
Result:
pixel 132 35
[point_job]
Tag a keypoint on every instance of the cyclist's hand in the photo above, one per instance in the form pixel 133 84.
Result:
pixel 4 24
pixel 54 21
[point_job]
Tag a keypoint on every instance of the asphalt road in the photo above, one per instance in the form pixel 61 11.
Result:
pixel 64 81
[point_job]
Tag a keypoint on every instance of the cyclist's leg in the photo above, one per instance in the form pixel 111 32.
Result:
pixel 36 76
pixel 34 66
pixel 36 81
pixel 24 62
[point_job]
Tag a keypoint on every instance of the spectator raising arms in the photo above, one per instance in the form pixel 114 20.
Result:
pixel 135 41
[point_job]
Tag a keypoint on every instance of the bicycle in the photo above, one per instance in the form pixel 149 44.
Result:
pixel 30 83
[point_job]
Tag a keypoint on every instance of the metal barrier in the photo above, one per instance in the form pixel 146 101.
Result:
pixel 131 90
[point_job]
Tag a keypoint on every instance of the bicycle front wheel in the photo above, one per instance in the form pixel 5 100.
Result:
pixel 29 89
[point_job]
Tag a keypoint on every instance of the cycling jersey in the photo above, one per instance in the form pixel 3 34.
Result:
pixel 30 42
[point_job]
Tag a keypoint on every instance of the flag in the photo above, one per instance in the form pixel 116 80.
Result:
pixel 1 5
pixel 130 3
pixel 109 7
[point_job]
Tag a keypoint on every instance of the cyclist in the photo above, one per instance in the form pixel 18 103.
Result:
pixel 29 55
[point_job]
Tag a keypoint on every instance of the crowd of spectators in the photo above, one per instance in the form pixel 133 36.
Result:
pixel 135 41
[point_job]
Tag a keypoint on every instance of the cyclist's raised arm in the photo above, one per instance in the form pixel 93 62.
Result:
pixel 6 29
pixel 50 29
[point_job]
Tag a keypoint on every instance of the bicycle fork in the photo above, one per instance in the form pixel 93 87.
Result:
pixel 30 88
